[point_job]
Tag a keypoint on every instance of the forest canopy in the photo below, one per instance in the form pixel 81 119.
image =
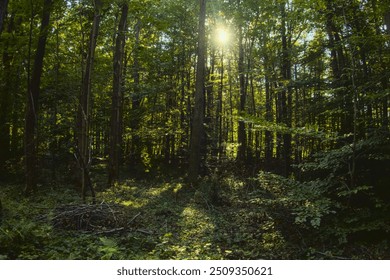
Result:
pixel 277 108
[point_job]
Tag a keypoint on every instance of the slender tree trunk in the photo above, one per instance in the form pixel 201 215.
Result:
pixel 385 79
pixel 3 10
pixel 268 113
pixel 251 147
pixel 198 114
pixel 85 98
pixel 32 103
pixel 210 121
pixel 183 111
pixel 242 139
pixel 116 120
pixel 338 68
pixel 6 100
pixel 136 100
pixel 286 95
pixel 230 123
pixel 219 111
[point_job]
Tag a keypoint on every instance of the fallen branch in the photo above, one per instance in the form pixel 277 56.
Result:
pixel 331 256
pixel 114 230
pixel 96 217
pixel 144 231
pixel 135 217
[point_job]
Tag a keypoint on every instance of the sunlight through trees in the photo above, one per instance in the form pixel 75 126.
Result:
pixel 286 101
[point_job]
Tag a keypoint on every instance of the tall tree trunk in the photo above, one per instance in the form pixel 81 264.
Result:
pixel 136 100
pixel 338 62
pixel 219 113
pixel 268 113
pixel 6 100
pixel 385 79
pixel 211 122
pixel 183 111
pixel 230 124
pixel 199 107
pixel 84 108
pixel 250 89
pixel 286 95
pixel 32 103
pixel 116 118
pixel 3 10
pixel 242 141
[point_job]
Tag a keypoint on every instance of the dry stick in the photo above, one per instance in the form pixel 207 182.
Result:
pixel 134 218
pixel 122 228
pixel 109 231
pixel 86 212
pixel 331 256
pixel 144 231
pixel 112 212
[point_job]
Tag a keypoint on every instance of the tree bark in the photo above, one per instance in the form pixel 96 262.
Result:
pixel 116 117
pixel 242 139
pixel 3 10
pixel 198 114
pixel 6 100
pixel 85 98
pixel 385 79
pixel 219 113
pixel 136 100
pixel 32 102
pixel 286 95
pixel 269 118
pixel 338 63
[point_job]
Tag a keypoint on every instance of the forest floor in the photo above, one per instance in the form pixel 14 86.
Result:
pixel 154 219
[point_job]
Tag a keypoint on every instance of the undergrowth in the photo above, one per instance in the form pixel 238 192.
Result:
pixel 225 218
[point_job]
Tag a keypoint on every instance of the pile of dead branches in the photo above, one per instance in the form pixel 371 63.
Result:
pixel 98 218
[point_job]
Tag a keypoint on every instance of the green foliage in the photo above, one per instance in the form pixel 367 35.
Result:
pixel 269 216
pixel 310 203
pixel 306 202
pixel 360 211
pixel 315 82
pixel 108 249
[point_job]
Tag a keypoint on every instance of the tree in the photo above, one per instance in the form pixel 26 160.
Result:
pixel 3 9
pixel 242 137
pixel 116 107
pixel 285 95
pixel 5 94
pixel 297 78
pixel 136 99
pixel 197 133
pixel 83 145
pixel 3 142
pixel 32 101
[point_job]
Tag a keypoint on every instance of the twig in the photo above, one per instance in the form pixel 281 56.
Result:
pixel 112 212
pixel 109 231
pixel 132 219
pixel 144 231
pixel 331 256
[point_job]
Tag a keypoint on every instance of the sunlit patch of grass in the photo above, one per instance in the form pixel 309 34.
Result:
pixel 124 193
pixel 130 203
pixel 193 241
pixel 196 221
pixel 159 190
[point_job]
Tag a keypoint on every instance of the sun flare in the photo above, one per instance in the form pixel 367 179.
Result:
pixel 223 36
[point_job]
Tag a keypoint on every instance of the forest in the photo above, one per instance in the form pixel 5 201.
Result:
pixel 181 129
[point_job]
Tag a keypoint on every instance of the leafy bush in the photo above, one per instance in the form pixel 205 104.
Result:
pixel 337 198
pixel 306 202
